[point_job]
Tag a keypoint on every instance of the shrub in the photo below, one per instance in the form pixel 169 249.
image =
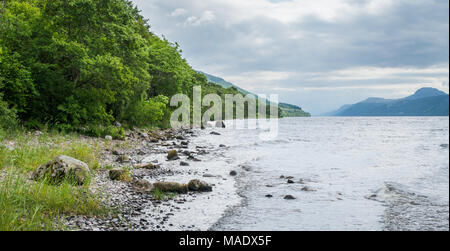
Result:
pixel 8 118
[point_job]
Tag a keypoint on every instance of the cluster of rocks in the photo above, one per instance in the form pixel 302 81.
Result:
pixel 290 181
pixel 124 179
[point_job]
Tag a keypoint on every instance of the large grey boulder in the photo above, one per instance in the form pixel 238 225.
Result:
pixel 63 168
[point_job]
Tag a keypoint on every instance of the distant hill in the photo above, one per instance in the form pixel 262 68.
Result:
pixel 287 110
pixel 425 102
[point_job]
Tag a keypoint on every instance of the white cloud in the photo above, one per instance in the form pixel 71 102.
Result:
pixel 178 12
pixel 206 17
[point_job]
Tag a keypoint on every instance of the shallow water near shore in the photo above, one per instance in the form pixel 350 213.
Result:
pixel 387 173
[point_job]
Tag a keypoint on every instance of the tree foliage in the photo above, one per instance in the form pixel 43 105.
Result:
pixel 82 62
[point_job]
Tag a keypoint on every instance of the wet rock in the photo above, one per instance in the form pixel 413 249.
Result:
pixel 202 152
pixel 290 182
pixel 307 189
pixel 63 168
pixel 182 163
pixel 184 143
pixel 172 155
pixel 289 197
pixel 207 175
pixel 149 166
pixel 119 174
pixel 199 186
pixel 117 153
pixel 269 196
pixel 154 140
pixel 215 133
pixel 171 187
pixel 143 186
pixel 444 145
pixel 233 173
pixel 108 137
pixel 179 137
pixel 193 159
pixel 222 145
pixel 124 158
pixel 246 168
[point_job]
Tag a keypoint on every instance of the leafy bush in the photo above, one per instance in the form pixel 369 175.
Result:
pixel 148 112
pixel 7 116
pixel 102 131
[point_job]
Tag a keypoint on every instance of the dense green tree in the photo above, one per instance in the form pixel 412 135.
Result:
pixel 77 62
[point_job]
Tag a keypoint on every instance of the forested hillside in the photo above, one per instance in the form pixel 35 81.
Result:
pixel 285 110
pixel 75 63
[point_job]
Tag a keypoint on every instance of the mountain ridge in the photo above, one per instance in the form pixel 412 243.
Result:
pixel 287 110
pixel 424 102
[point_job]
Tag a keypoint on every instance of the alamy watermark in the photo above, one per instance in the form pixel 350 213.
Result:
pixel 242 112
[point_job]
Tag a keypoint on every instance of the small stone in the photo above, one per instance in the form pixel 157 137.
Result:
pixel 207 175
pixel 215 133
pixel 144 135
pixel 222 145
pixel 182 163
pixel 149 166
pixel 193 159
pixel 108 137
pixel 269 196
pixel 307 189
pixel 289 197
pixel 184 143
pixel 117 153
pixel 233 173
pixel 124 158
pixel 290 182
pixel 172 155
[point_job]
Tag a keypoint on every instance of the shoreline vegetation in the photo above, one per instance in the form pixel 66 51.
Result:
pixel 115 194
pixel 88 80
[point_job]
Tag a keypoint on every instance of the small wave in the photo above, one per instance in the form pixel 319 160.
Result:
pixel 409 211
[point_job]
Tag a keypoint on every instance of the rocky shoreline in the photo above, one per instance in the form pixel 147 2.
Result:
pixel 147 157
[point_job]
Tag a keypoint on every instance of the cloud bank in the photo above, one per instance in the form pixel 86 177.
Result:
pixel 317 54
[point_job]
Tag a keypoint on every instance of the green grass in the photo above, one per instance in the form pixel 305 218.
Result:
pixel 35 206
pixel 31 151
pixel 27 205
pixel 159 195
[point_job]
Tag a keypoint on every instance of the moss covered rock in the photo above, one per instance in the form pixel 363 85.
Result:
pixel 143 186
pixel 148 166
pixel 63 168
pixel 119 174
pixel 199 186
pixel 172 155
pixel 170 187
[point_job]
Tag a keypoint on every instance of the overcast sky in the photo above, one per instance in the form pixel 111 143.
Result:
pixel 318 54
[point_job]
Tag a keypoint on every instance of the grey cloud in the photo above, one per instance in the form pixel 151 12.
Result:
pixel 412 34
